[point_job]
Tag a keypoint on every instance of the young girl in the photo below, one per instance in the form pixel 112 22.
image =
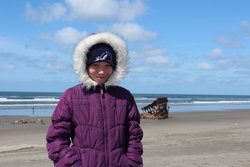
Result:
pixel 96 123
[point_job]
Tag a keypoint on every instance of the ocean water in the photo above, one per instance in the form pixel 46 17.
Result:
pixel 44 103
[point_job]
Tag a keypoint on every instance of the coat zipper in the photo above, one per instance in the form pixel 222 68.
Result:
pixel 104 126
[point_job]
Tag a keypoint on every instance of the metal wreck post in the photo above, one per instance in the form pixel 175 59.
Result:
pixel 158 109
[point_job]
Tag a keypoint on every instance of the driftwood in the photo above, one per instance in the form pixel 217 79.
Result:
pixel 23 121
pixel 156 110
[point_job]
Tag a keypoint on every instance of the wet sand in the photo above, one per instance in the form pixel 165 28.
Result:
pixel 193 139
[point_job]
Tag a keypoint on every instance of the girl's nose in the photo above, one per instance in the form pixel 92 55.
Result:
pixel 101 71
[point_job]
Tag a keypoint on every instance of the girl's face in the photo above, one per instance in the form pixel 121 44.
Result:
pixel 100 72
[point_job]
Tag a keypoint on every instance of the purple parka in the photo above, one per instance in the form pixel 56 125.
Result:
pixel 93 125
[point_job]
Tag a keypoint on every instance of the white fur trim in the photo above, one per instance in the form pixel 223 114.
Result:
pixel 80 53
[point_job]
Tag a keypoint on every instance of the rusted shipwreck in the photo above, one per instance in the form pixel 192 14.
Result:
pixel 158 109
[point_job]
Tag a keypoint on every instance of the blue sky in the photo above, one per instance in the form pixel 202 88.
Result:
pixel 175 46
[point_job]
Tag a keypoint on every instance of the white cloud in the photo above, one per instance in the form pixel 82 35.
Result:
pixel 6 55
pixel 242 72
pixel 129 11
pixel 242 61
pixel 7 66
pixel 49 54
pixel 138 69
pixel 229 42
pixel 17 52
pixel 225 63
pixel 57 65
pixel 44 36
pixel 29 57
pixel 67 35
pixel 191 79
pixel 45 14
pixel 150 51
pixel 30 13
pixel 246 27
pixel 153 56
pixel 204 66
pixel 94 10
pixel 214 54
pixel 159 61
pixel 133 32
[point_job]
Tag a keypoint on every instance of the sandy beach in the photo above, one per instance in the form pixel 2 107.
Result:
pixel 191 139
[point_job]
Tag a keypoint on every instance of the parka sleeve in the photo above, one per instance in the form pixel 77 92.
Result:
pixel 135 134
pixel 59 134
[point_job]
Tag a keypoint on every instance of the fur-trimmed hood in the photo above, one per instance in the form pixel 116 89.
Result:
pixel 80 57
